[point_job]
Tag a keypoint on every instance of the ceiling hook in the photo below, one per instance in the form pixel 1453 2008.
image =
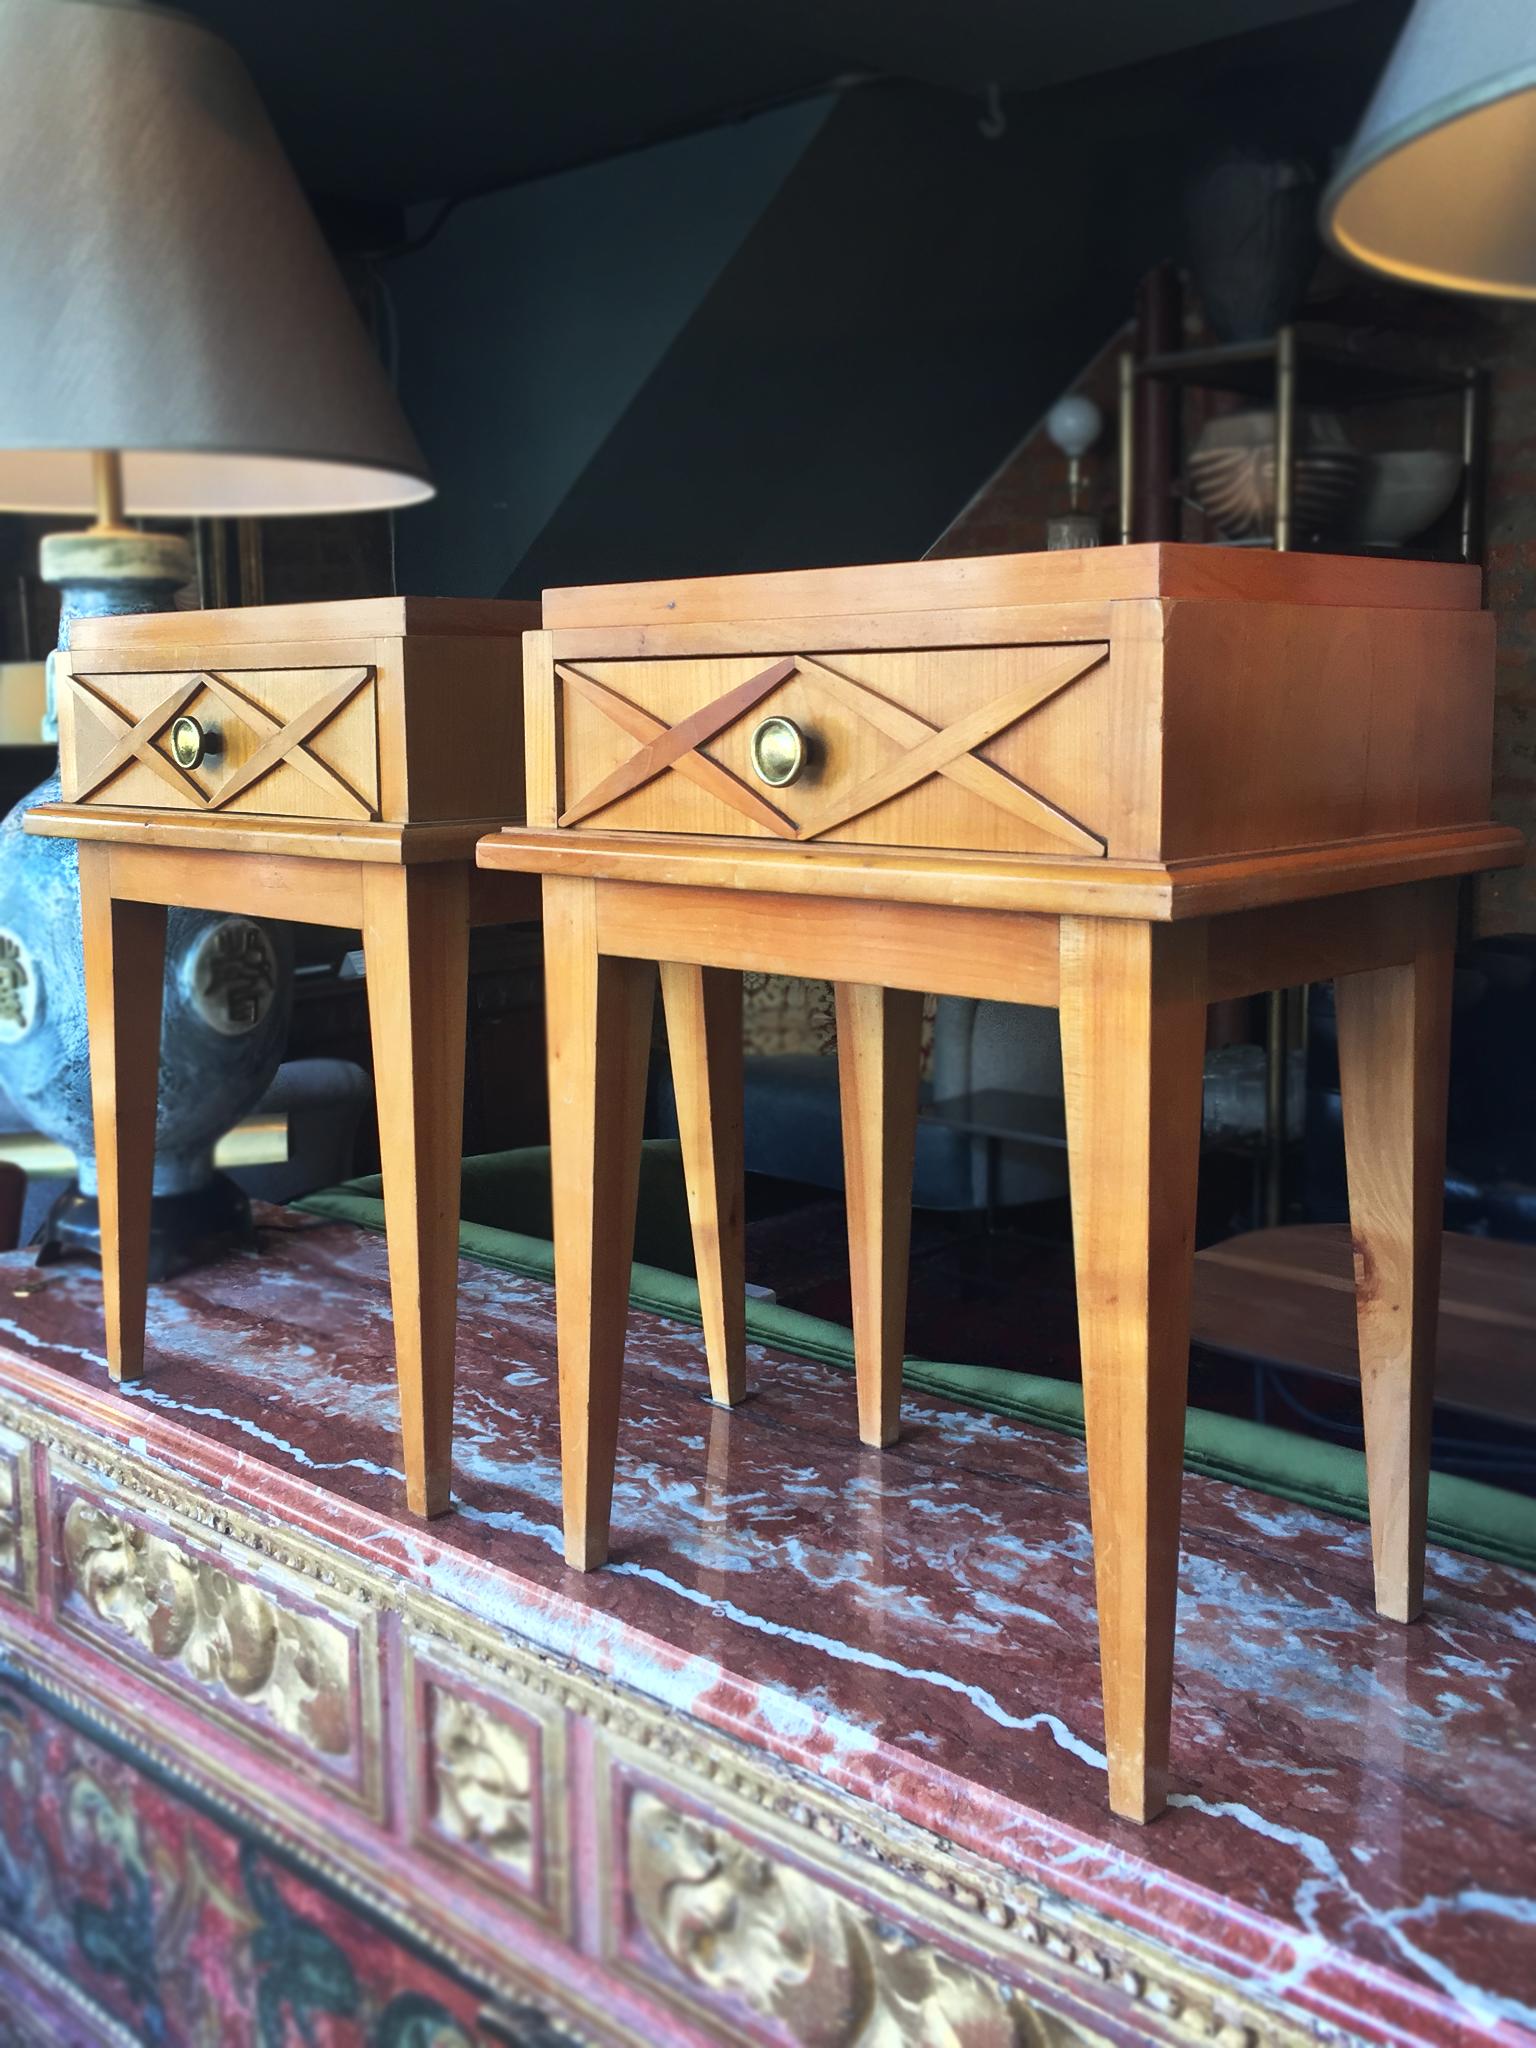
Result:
pixel 994 122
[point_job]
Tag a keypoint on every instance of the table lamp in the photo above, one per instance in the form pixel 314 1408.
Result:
pixel 1439 185
pixel 175 341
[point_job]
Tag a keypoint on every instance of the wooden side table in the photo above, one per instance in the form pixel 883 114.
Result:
pixel 1128 782
pixel 333 764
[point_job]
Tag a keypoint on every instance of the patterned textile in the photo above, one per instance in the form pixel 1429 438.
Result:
pixel 172 1926
pixel 782 1013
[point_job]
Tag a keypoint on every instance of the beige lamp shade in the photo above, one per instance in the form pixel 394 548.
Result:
pixel 1439 185
pixel 165 291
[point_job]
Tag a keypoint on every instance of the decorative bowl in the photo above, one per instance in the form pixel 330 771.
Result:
pixel 1404 492
pixel 1231 474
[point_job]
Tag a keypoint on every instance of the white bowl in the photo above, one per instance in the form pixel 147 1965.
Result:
pixel 1404 492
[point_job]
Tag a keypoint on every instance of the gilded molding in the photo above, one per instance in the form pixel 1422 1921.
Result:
pixel 770 1944
pixel 10 1520
pixel 18 1528
pixel 225 1634
pixel 1024 1931
pixel 292 1665
pixel 22 1964
pixel 1020 1929
pixel 488 1781
pixel 312 1849
pixel 482 1779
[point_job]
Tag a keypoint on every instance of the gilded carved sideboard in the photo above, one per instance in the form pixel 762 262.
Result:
pixel 810 1767
pixel 451 1781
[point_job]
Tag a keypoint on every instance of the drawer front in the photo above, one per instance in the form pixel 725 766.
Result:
pixel 280 742
pixel 988 749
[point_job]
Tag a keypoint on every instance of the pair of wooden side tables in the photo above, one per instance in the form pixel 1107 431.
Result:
pixel 1127 782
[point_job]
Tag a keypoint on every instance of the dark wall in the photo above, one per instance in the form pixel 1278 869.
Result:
pixel 909 299
pixel 527 325
pixel 867 354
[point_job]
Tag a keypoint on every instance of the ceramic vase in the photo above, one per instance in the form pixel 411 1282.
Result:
pixel 228 979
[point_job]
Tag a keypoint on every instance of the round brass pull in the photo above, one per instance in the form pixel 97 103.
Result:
pixel 190 744
pixel 779 751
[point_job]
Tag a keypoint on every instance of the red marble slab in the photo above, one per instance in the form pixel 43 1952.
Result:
pixel 1354 1820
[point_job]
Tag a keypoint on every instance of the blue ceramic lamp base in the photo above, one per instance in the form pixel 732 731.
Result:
pixel 227 980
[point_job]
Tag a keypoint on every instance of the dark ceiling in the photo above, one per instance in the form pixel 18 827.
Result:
pixel 399 101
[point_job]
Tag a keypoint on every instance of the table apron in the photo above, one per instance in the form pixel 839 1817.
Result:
pixel 1006 956
pixel 293 886
pixel 1010 956
pixel 251 885
pixel 1283 945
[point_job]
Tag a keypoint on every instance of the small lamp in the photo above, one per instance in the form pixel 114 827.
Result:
pixel 175 339
pixel 1073 423
pixel 1439 185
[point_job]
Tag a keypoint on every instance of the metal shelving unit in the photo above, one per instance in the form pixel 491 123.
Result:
pixel 1316 367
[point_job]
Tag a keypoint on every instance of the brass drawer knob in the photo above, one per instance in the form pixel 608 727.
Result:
pixel 779 751
pixel 190 743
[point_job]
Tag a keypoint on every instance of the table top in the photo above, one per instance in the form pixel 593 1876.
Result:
pixel 1351 1818
pixel 1158 891
pixel 269 624
pixel 1150 569
pixel 250 834
pixel 1286 1297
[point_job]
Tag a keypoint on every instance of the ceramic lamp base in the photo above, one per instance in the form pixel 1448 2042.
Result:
pixel 216 1056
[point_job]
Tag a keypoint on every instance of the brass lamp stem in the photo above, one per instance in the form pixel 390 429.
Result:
pixel 107 470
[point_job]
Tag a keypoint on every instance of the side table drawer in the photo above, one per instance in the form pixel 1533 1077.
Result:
pixel 271 742
pixel 989 748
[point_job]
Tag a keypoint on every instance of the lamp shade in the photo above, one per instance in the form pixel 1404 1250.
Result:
pixel 165 290
pixel 1439 185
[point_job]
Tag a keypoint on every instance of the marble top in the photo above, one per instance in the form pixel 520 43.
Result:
pixel 1353 1818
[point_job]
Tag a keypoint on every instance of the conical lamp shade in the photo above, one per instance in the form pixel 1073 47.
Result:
pixel 1439 185
pixel 164 289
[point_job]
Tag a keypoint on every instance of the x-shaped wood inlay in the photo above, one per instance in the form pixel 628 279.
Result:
pixel 135 739
pixel 282 741
pixel 674 746
pixel 928 749
pixel 946 750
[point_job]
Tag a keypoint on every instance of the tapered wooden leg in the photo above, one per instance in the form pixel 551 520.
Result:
pixel 1133 1042
pixel 124 991
pixel 1394 1061
pixel 416 947
pixel 879 1047
pixel 598 1012
pixel 704 1032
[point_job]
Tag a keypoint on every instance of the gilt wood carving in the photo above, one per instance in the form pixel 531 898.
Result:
pixel 771 1949
pixel 683 1818
pixel 294 1675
